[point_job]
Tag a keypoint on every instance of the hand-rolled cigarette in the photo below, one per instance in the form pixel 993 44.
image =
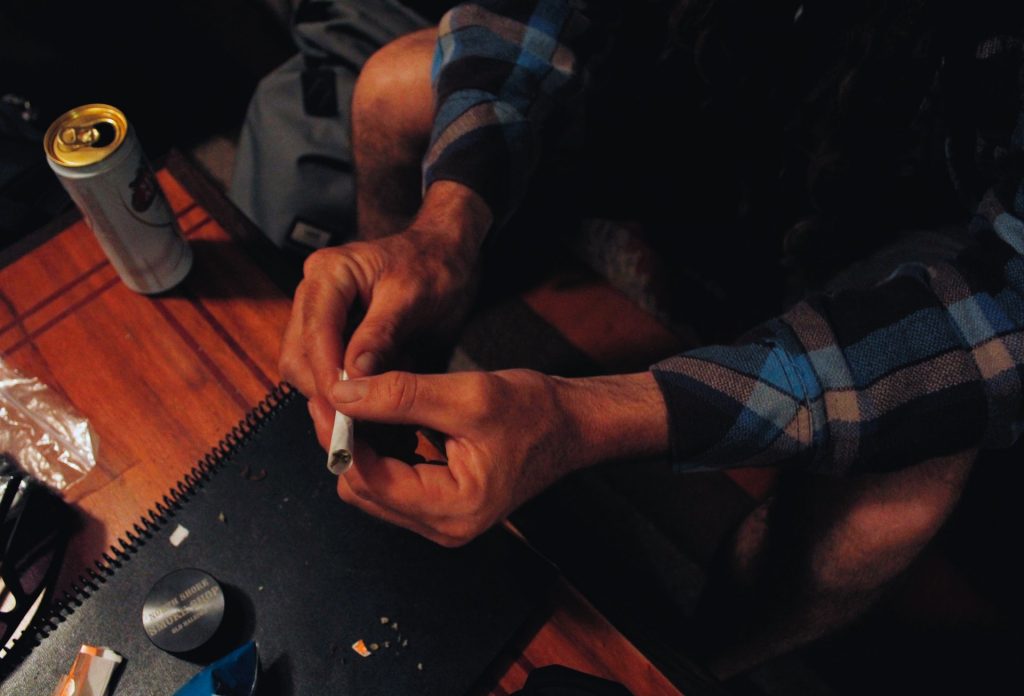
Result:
pixel 339 455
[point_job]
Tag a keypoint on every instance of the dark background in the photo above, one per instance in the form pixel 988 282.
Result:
pixel 181 71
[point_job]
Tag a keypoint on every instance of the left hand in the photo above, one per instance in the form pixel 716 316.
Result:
pixel 415 286
pixel 510 435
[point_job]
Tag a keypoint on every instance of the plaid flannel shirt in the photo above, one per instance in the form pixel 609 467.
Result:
pixel 926 363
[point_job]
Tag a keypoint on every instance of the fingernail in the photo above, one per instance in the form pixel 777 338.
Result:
pixel 347 392
pixel 366 363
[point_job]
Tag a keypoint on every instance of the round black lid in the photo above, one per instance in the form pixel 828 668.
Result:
pixel 183 610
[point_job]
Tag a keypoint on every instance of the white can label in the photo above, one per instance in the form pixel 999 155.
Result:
pixel 129 214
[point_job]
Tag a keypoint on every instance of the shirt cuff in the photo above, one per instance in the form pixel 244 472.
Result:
pixel 730 406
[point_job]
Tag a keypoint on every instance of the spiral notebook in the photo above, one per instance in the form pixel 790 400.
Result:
pixel 309 574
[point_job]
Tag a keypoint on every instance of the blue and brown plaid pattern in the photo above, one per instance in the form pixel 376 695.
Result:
pixel 928 362
pixel 500 69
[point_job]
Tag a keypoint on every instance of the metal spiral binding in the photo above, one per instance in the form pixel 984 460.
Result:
pixel 90 580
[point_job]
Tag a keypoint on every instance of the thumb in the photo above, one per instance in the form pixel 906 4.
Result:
pixel 377 337
pixel 403 398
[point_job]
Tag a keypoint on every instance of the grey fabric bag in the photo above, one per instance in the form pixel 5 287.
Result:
pixel 293 170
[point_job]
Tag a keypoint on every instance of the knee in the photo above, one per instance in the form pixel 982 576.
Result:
pixel 393 92
pixel 877 527
pixel 836 538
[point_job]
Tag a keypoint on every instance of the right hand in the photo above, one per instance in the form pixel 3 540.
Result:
pixel 416 283
pixel 508 436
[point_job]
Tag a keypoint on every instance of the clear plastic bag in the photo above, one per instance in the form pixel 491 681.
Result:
pixel 45 436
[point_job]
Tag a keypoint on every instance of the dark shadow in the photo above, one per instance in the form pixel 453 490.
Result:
pixel 396 441
pixel 181 72
pixel 35 527
pixel 217 268
pixel 239 624
pixel 276 678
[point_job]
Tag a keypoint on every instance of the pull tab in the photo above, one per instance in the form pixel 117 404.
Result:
pixel 97 135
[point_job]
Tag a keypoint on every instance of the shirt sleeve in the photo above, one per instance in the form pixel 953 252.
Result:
pixel 501 71
pixel 928 362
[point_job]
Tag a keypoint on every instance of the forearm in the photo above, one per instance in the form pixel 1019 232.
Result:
pixel 447 235
pixel 868 379
pixel 455 216
pixel 614 418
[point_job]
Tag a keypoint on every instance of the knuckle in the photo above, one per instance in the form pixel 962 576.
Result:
pixel 448 542
pixel 293 369
pixel 327 265
pixel 402 292
pixel 288 366
pixel 344 491
pixel 399 391
pixel 473 502
pixel 359 488
pixel 308 333
pixel 381 330
pixel 317 262
pixel 463 530
pixel 401 289
pixel 483 397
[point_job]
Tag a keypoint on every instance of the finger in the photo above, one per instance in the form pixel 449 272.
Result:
pixel 363 498
pixel 322 414
pixel 388 321
pixel 324 314
pixel 441 402
pixel 293 363
pixel 425 498
pixel 422 491
pixel 380 512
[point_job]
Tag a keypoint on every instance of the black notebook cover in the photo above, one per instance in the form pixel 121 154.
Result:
pixel 308 575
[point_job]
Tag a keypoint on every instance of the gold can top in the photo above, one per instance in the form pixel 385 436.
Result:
pixel 85 135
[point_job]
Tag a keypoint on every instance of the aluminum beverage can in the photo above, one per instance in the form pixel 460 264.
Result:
pixel 99 161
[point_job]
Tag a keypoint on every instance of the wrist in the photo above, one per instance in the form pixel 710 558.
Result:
pixel 615 417
pixel 452 217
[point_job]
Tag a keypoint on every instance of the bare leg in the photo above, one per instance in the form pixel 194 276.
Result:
pixel 817 555
pixel 392 112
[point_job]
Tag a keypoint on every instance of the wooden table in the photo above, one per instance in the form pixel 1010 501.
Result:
pixel 163 378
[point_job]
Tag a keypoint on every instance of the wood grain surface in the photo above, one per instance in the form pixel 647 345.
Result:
pixel 163 378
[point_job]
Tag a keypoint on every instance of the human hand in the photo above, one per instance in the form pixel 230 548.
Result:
pixel 413 284
pixel 509 435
